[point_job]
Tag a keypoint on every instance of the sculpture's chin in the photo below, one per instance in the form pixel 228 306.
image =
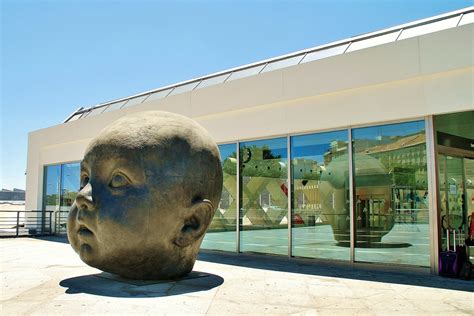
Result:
pixel 86 253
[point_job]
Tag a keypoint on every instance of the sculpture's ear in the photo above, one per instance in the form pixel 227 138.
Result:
pixel 195 226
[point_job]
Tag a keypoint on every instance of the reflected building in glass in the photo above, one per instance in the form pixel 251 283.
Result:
pixel 221 234
pixel 320 199
pixel 263 182
pixel 391 194
pixel 357 151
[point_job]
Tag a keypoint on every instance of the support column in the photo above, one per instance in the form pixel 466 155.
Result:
pixel 431 163
pixel 237 213
pixel 351 195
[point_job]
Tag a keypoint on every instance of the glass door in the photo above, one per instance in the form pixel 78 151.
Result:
pixel 456 189
pixel 469 187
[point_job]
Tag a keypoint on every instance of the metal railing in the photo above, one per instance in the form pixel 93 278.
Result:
pixel 60 222
pixel 15 223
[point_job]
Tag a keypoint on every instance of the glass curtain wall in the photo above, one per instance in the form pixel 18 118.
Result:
pixel 70 184
pixel 455 156
pixel 264 196
pixel 451 194
pixel 52 178
pixel 320 196
pixel 221 234
pixel 51 196
pixel 469 196
pixel 391 194
pixel 60 187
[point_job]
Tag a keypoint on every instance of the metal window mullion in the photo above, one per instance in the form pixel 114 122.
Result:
pixel 147 96
pixel 351 196
pixel 345 50
pixel 398 36
pixel 434 211
pixel 290 195
pixel 237 213
pixel 460 18
pixel 304 55
pixel 227 78
pixel 165 96
pixel 122 106
pixel 195 87
pixel 228 75
pixel 43 199
pixel 60 184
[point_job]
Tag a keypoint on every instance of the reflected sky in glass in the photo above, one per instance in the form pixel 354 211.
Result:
pixel 374 132
pixel 227 150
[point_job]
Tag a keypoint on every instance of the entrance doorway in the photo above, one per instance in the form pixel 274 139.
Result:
pixel 455 146
pixel 456 192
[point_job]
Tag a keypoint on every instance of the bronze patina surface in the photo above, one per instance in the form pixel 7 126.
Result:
pixel 150 185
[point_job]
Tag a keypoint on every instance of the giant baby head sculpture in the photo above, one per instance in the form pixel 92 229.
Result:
pixel 150 184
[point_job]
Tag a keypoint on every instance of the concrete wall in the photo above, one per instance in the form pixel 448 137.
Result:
pixel 412 78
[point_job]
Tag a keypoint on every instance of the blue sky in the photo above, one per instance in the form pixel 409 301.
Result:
pixel 59 55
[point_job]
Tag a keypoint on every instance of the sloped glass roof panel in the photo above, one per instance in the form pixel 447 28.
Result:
pixel 246 72
pixel 159 95
pixel 136 100
pixel 213 81
pixel 373 41
pixel 417 28
pixel 429 28
pixel 115 106
pixel 467 18
pixel 291 61
pixel 75 117
pixel 184 88
pixel 85 114
pixel 95 111
pixel 328 52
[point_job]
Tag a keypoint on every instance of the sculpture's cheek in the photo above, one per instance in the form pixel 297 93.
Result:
pixel 72 228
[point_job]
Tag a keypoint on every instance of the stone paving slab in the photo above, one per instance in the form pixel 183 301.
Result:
pixel 45 277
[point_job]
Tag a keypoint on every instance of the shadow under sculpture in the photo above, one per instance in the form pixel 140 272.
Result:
pixel 150 185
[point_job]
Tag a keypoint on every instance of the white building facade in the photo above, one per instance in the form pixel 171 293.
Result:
pixel 359 151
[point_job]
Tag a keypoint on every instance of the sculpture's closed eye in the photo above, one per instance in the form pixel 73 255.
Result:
pixel 119 180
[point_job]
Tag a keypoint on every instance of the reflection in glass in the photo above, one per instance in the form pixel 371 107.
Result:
pixel 454 137
pixel 391 194
pixel 469 187
pixel 70 183
pixel 320 214
pixel 221 233
pixel 264 196
pixel 51 187
pixel 451 194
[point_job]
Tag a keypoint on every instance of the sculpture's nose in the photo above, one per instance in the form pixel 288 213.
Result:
pixel 84 199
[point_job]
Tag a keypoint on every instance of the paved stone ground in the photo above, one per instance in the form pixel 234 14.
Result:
pixel 45 276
